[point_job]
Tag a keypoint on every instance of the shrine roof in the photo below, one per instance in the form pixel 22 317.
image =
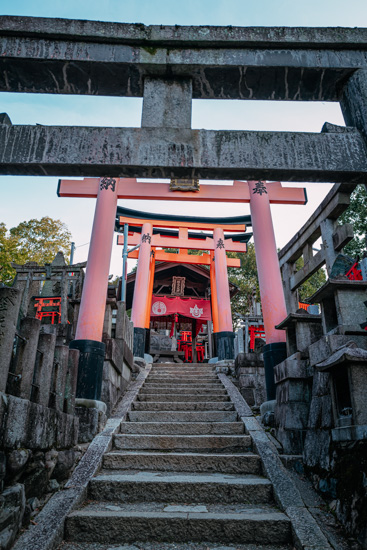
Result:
pixel 236 220
pixel 236 237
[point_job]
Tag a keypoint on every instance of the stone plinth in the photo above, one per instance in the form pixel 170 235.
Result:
pixel 343 308
pixel 303 329
pixel 249 368
pixel 293 394
pixel 347 368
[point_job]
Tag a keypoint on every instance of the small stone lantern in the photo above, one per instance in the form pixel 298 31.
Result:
pixel 348 369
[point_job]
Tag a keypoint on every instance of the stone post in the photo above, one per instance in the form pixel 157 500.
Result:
pixel 10 299
pixel 353 102
pixel 26 355
pixel 71 379
pixel 138 311
pixel 46 345
pixel 60 371
pixel 167 103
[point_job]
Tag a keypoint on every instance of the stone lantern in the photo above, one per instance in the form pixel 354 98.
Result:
pixel 348 370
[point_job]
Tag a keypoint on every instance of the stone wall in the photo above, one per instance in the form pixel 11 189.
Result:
pixel 249 368
pixel 38 426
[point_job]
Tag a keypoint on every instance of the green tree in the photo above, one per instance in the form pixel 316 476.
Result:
pixel 9 252
pixel 356 214
pixel 246 279
pixel 33 240
pixel 315 282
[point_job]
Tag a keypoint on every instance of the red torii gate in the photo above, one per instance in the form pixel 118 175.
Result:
pixel 218 245
pixel 107 190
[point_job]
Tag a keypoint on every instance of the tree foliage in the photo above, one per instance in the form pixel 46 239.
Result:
pixel 356 214
pixel 33 240
pixel 246 279
pixel 315 282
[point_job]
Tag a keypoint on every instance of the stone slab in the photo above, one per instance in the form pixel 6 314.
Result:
pixel 184 462
pixel 225 443
pixel 181 406
pixel 182 428
pixel 158 487
pixel 182 416
pixel 265 527
pixel 177 397
pixel 166 153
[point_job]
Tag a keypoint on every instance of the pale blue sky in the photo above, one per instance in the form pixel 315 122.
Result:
pixel 26 197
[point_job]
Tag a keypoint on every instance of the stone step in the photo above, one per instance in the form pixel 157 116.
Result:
pixel 184 443
pixel 180 488
pixel 173 387
pixel 167 390
pixel 182 406
pixel 248 463
pixel 184 382
pixel 183 428
pixel 171 546
pixel 182 365
pixel 181 378
pixel 181 397
pixel 182 416
pixel 119 524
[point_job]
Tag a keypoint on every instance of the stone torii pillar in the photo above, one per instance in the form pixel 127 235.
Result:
pixel 139 312
pixel 88 336
pixel 224 336
pixel 270 282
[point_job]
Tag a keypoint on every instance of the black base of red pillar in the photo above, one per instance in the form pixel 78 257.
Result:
pixel 273 355
pixel 224 345
pixel 90 368
pixel 147 340
pixel 139 341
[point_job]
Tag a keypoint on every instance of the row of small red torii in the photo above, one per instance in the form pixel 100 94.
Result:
pixel 259 194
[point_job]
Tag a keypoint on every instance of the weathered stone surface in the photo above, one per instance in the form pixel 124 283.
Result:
pixel 265 527
pixel 320 415
pixel 180 488
pixel 88 423
pixel 167 103
pixel 156 152
pixel 65 462
pixel 294 391
pixel 9 304
pixel 317 448
pixel 292 367
pixel 17 460
pixel 292 415
pixel 12 506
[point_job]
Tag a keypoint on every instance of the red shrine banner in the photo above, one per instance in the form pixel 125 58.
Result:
pixel 189 307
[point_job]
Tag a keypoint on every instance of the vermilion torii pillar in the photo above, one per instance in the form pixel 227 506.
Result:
pixel 270 282
pixel 141 291
pixel 93 303
pixel 225 335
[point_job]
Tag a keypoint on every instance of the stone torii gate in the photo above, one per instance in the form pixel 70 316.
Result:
pixel 154 234
pixel 168 66
pixel 107 190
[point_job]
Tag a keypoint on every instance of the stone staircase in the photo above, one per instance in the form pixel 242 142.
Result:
pixel 182 474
